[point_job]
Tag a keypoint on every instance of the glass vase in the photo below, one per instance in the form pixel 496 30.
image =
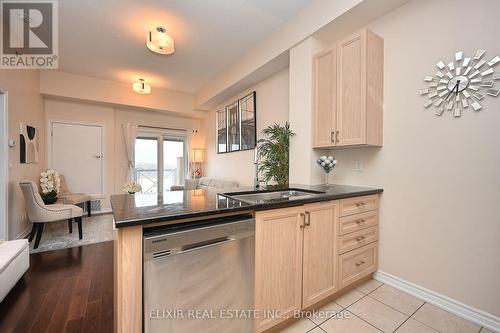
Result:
pixel 327 179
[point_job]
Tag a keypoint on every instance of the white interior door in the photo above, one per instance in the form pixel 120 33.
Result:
pixel 77 153
pixel 3 167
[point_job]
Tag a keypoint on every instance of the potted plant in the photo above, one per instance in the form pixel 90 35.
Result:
pixel 50 184
pixel 132 187
pixel 274 153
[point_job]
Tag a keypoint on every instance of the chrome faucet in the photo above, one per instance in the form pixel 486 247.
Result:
pixel 256 181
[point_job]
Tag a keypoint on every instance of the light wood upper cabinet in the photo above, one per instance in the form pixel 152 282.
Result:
pixel 348 94
pixel 325 67
pixel 278 264
pixel 320 252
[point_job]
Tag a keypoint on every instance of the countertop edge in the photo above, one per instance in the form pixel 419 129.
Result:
pixel 275 205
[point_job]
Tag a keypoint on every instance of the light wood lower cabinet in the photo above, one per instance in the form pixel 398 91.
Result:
pixel 358 205
pixel 358 222
pixel 305 254
pixel 320 253
pixel 356 239
pixel 278 265
pixel 357 264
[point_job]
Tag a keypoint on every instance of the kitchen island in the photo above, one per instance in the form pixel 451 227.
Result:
pixel 135 214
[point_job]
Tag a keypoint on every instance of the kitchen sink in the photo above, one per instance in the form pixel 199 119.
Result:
pixel 260 197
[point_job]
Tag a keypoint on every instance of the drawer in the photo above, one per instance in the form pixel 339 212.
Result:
pixel 357 264
pixel 357 222
pixel 357 239
pixel 358 205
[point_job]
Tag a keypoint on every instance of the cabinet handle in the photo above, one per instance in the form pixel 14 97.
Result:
pixel 307 219
pixel 332 136
pixel 360 221
pixel 360 204
pixel 303 216
pixel 359 263
pixel 337 136
pixel 360 238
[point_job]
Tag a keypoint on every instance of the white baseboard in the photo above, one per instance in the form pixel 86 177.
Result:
pixel 474 315
pixel 25 233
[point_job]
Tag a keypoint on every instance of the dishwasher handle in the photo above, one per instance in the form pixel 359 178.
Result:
pixel 170 243
pixel 205 244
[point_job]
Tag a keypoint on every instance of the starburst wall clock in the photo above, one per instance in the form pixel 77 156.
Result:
pixel 461 84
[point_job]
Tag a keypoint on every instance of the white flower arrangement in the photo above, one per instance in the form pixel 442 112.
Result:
pixel 131 187
pixel 328 163
pixel 50 182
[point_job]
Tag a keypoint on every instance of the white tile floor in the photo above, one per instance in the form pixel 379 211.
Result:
pixel 375 307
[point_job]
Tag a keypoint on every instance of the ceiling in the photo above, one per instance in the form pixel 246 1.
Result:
pixel 106 39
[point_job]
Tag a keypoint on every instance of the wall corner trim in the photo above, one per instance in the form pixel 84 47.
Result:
pixel 25 233
pixel 474 315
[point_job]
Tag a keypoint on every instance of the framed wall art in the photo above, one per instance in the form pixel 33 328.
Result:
pixel 236 125
pixel 221 123
pixel 28 144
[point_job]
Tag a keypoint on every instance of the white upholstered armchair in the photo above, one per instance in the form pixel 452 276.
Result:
pixel 69 198
pixel 39 213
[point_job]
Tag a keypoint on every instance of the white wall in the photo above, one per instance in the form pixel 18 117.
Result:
pixel 66 85
pixel 272 107
pixel 112 119
pixel 440 212
pixel 3 166
pixel 25 105
pixel 303 167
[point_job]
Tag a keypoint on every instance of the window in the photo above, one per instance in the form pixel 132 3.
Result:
pixel 160 161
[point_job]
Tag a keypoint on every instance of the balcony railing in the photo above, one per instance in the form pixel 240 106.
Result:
pixel 148 179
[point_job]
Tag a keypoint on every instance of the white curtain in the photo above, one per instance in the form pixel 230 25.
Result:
pixel 189 144
pixel 129 135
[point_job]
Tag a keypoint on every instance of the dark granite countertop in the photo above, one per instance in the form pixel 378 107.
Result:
pixel 142 209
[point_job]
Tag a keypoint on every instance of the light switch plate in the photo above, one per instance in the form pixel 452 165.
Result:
pixel 358 166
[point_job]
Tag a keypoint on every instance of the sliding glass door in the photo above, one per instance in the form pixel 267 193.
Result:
pixel 146 164
pixel 160 161
pixel 174 162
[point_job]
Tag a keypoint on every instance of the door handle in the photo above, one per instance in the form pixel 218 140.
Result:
pixel 307 219
pixel 303 216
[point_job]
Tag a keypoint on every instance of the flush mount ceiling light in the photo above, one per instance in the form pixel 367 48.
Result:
pixel 141 87
pixel 160 42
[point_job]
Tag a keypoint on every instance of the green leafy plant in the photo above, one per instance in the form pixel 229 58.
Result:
pixel 274 153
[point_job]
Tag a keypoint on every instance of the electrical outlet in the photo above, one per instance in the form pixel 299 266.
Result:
pixel 358 166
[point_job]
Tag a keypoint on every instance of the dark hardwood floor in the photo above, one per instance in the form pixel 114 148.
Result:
pixel 67 290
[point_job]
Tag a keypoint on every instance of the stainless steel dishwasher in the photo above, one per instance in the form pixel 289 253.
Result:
pixel 199 277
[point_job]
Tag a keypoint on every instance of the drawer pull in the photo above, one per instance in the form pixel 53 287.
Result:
pixel 360 221
pixel 360 238
pixel 359 263
pixel 307 219
pixel 360 204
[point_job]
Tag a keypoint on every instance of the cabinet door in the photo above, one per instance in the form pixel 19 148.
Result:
pixel 325 96
pixel 320 252
pixel 351 90
pixel 278 265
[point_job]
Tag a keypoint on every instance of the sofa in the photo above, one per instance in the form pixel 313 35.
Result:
pixel 203 182
pixel 14 262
